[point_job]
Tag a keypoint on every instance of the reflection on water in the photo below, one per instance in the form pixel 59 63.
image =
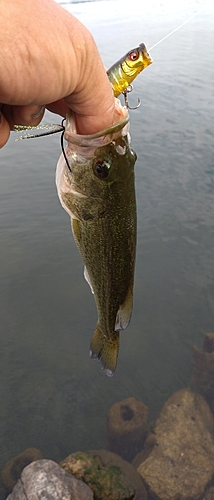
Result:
pixel 52 395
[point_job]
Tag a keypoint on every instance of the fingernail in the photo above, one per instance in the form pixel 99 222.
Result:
pixel 39 112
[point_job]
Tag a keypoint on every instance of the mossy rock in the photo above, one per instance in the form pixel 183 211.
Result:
pixel 102 472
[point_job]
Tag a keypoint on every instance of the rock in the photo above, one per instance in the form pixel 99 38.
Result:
pixel 202 379
pixel 126 423
pixel 108 458
pixel 209 495
pixel 45 480
pixel 108 475
pixel 181 463
pixel 148 446
pixel 18 492
pixel 13 469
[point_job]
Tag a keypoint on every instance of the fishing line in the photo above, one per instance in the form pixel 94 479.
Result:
pixel 180 26
pixel 62 146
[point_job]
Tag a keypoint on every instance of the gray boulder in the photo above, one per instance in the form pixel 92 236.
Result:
pixel 181 463
pixel 45 480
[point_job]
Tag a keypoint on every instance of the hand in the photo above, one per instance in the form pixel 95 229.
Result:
pixel 49 58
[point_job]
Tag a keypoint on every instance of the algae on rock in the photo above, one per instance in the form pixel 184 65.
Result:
pixel 105 482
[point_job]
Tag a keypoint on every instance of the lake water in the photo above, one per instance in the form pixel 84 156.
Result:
pixel 52 395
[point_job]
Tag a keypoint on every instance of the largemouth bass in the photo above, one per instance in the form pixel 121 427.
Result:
pixel 122 73
pixel 98 192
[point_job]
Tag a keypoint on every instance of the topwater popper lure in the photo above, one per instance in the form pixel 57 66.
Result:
pixel 126 69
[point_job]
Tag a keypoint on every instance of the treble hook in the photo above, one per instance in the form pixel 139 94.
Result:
pixel 125 92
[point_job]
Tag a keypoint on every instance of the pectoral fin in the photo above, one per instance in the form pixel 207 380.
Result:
pixel 124 312
pixel 105 349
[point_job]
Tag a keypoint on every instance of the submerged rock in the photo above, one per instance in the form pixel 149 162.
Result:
pixel 13 469
pixel 126 423
pixel 209 495
pixel 45 480
pixel 108 475
pixel 203 374
pixel 181 462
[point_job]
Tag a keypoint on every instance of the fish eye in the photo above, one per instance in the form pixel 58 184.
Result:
pixel 133 56
pixel 101 168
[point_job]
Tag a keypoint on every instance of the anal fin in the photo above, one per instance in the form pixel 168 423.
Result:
pixel 124 312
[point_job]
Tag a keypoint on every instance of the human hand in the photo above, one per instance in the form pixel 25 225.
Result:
pixel 49 58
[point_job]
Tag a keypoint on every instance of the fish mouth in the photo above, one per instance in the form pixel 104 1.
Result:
pixel 121 119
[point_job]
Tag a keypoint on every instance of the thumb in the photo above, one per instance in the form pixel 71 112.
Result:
pixel 4 130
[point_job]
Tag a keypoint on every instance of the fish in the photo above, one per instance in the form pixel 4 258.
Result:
pixel 98 193
pixel 122 73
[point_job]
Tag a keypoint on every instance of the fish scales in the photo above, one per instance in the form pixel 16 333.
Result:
pixel 99 195
pixel 111 271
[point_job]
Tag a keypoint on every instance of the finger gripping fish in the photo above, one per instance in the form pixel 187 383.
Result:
pixel 99 195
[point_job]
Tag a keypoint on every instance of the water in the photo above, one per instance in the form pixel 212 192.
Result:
pixel 52 395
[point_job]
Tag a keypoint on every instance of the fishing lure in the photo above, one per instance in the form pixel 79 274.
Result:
pixel 124 71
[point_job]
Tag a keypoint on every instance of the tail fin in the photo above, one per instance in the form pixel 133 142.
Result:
pixel 106 349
